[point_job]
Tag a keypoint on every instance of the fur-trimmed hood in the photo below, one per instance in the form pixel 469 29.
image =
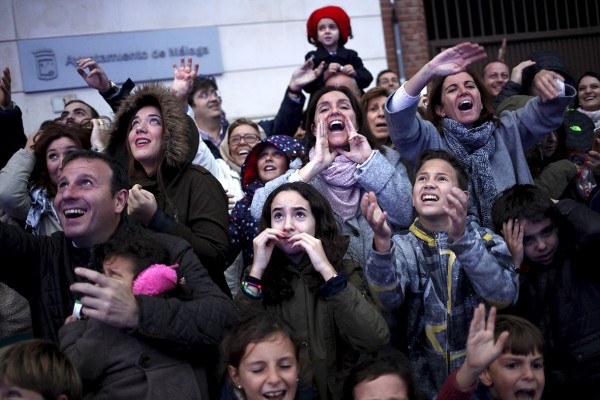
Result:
pixel 180 137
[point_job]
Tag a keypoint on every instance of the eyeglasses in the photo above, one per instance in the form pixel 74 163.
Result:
pixel 209 93
pixel 249 138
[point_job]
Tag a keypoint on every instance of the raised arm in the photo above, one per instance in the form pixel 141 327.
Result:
pixel 289 115
pixel 96 78
pixel 183 80
pixel 482 351
pixel 449 62
pixel 14 182
pixel 12 134
pixel 486 260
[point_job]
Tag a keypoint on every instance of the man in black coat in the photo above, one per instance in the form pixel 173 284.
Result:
pixel 53 271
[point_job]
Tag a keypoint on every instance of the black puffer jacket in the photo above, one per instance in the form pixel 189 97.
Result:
pixel 191 202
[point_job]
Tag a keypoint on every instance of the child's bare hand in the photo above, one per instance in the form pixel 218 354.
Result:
pixel 513 231
pixel 349 70
pixel 481 349
pixel 314 248
pixel 456 59
pixel 377 221
pixel 457 212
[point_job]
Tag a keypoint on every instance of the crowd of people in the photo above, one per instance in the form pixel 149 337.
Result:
pixel 373 243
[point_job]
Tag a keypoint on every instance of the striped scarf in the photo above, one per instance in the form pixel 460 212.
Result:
pixel 474 148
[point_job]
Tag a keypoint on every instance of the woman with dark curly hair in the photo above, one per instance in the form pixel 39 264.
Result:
pixel 299 272
pixel 28 181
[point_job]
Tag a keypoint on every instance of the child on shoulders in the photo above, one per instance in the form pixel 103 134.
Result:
pixel 329 29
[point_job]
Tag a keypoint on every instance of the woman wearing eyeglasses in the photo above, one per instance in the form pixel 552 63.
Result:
pixel 157 141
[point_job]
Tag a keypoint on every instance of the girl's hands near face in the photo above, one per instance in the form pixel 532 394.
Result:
pixel 457 212
pixel 263 245
pixel 314 248
pixel 360 149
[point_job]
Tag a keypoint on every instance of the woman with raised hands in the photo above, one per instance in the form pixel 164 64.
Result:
pixel 462 121
pixel 345 161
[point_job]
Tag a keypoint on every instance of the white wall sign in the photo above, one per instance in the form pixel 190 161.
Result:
pixel 49 64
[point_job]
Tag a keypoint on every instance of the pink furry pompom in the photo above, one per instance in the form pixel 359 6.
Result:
pixel 156 279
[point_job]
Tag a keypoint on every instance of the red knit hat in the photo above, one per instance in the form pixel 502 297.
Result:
pixel 337 14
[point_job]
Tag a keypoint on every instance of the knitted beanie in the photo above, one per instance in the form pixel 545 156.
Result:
pixel 337 14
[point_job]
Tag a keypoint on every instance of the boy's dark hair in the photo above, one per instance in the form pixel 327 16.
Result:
pixel 524 338
pixel 118 180
pixel 491 62
pixel 253 329
pixel 435 99
pixel 143 252
pixel 522 202
pixel 92 109
pixel 47 134
pixel 38 365
pixel 201 83
pixel 391 363
pixel 438 154
pixel 385 71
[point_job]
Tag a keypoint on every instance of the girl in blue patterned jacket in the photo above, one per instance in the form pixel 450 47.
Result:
pixel 437 272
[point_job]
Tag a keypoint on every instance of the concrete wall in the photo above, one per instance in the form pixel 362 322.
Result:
pixel 262 42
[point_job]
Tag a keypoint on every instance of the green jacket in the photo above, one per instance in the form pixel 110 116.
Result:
pixel 334 326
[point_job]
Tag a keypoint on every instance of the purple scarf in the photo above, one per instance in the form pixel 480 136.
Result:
pixel 340 186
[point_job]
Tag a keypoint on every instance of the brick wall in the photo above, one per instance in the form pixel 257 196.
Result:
pixel 413 34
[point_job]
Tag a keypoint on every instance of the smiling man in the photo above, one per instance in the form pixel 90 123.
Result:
pixel 54 271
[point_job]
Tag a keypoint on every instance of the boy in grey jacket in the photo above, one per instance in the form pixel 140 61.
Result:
pixel 437 272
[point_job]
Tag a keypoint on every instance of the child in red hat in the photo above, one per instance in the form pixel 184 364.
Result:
pixel 329 28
